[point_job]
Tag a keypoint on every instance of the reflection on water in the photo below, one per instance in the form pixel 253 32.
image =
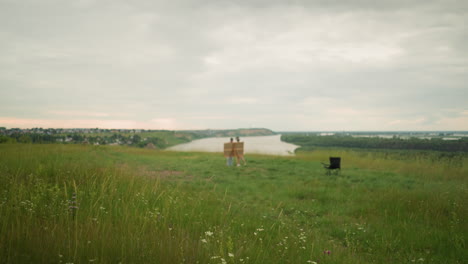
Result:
pixel 271 145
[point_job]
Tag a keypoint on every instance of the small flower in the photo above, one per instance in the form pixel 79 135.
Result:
pixel 231 255
pixel 328 252
pixel 208 233
pixel 204 241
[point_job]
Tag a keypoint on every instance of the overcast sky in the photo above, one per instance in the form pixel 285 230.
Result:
pixel 200 64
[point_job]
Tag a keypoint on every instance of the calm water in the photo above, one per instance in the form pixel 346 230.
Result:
pixel 271 145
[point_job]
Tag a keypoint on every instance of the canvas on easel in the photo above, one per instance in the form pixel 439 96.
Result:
pixel 239 148
pixel 227 149
pixel 233 148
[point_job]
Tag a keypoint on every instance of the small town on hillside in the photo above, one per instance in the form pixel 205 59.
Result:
pixel 134 137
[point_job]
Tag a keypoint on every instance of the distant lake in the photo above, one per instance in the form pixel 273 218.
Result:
pixel 271 145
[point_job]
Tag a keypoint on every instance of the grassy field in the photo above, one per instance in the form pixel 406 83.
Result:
pixel 104 204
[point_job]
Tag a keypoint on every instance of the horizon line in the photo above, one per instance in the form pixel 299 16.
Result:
pixel 277 131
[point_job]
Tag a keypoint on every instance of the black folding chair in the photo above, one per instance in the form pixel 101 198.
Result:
pixel 335 165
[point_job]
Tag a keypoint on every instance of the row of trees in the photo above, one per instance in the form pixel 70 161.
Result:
pixel 308 142
pixel 120 139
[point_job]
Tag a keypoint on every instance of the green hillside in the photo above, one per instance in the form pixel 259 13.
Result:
pixel 68 203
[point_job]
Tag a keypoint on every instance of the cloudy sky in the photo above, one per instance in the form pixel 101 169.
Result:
pixel 199 64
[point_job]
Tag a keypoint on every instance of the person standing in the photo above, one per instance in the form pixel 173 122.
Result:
pixel 229 152
pixel 240 153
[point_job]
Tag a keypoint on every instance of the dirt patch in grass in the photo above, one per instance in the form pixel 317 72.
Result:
pixel 167 173
pixel 164 174
pixel 144 171
pixel 161 173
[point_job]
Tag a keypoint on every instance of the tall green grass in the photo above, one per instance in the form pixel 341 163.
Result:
pixel 146 206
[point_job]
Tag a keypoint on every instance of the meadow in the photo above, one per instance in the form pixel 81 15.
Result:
pixel 64 203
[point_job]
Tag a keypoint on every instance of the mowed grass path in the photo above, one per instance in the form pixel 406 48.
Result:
pixel 145 206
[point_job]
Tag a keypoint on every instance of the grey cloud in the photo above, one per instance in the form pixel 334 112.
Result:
pixel 186 58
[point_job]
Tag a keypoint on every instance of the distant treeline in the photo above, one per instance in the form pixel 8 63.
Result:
pixel 240 132
pixel 309 142
pixel 78 138
pixel 159 139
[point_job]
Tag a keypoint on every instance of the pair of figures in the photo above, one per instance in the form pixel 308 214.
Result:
pixel 234 149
